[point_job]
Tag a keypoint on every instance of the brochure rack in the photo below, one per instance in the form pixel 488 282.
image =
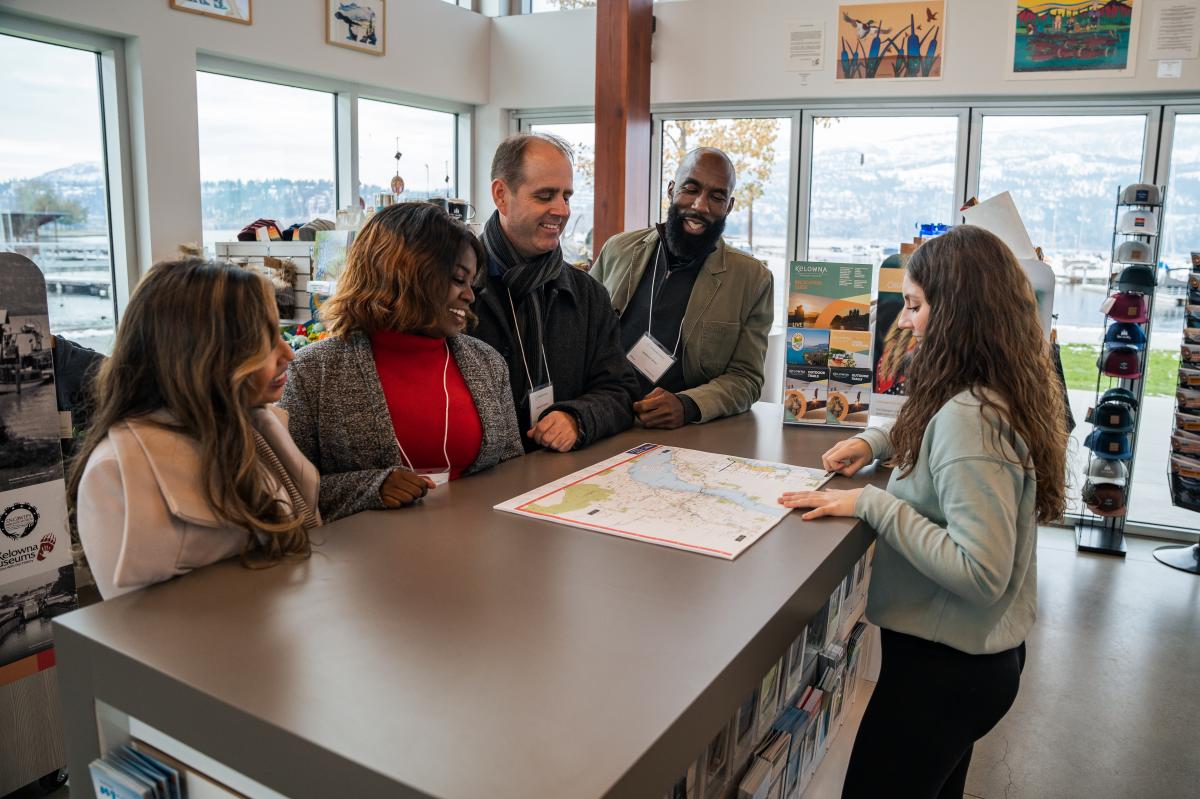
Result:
pixel 1120 370
pixel 1183 473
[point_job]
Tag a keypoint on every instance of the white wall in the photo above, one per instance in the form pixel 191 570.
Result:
pixel 434 49
pixel 736 50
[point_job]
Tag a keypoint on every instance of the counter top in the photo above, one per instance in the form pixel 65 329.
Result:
pixel 449 650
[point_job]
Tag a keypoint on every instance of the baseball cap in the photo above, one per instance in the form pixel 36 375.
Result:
pixel 1134 252
pixel 1136 277
pixel 1141 194
pixel 308 231
pixel 1110 446
pixel 1122 395
pixel 1138 222
pixel 1104 498
pixel 1111 472
pixel 1190 355
pixel 1184 444
pixel 1126 307
pixel 1125 334
pixel 1115 417
pixel 1120 362
pixel 1191 335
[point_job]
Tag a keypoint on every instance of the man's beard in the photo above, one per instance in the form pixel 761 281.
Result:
pixel 686 245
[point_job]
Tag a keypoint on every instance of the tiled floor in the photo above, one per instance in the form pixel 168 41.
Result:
pixel 1110 699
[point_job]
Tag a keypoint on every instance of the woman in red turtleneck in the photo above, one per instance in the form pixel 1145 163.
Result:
pixel 399 399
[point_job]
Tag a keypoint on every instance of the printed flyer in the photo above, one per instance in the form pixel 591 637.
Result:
pixel 894 345
pixel 828 373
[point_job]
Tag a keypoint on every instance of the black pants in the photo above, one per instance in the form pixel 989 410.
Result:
pixel 930 706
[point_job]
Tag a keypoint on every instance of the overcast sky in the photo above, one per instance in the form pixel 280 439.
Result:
pixel 248 129
pixel 50 106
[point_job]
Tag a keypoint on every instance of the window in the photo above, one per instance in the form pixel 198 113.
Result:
pixel 426 140
pixel 875 180
pixel 577 239
pixel 1067 197
pixel 537 6
pixel 1150 502
pixel 265 151
pixel 762 155
pixel 53 189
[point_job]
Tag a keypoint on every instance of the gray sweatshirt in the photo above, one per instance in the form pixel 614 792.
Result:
pixel 956 557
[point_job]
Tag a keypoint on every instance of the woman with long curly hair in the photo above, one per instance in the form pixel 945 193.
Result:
pixel 979 458
pixel 187 462
pixel 399 399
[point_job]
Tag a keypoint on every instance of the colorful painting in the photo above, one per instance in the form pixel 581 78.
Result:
pixel 1077 36
pixel 358 24
pixel 891 40
pixel 232 10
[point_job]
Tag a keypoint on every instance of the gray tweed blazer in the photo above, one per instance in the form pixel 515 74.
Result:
pixel 339 419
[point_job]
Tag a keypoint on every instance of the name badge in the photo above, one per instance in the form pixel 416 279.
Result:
pixel 439 476
pixel 650 358
pixel 540 399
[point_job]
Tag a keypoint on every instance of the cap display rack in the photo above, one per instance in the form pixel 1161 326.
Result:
pixel 1183 471
pixel 1137 218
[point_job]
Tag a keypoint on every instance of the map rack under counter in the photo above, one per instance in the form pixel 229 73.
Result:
pixel 450 650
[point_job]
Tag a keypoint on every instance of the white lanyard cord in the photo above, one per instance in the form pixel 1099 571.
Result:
pixel 521 344
pixel 446 418
pixel 653 283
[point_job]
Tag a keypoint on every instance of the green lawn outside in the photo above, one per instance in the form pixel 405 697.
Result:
pixel 1079 365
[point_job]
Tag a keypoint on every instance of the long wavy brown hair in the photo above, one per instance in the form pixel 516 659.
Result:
pixel 193 335
pixel 984 336
pixel 398 270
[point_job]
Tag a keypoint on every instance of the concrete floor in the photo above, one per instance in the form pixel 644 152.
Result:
pixel 1109 706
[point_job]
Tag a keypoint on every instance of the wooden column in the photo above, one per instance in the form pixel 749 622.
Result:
pixel 623 31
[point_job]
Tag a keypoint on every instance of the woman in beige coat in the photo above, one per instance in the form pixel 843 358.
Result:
pixel 187 463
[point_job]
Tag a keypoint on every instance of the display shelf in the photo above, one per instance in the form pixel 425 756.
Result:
pixel 1137 222
pixel 252 255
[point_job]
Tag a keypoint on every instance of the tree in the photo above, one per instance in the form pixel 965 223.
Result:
pixel 749 143
pixel 35 195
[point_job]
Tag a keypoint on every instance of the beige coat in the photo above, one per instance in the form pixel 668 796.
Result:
pixel 725 325
pixel 142 514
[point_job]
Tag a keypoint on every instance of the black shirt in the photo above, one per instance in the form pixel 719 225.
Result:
pixel 671 285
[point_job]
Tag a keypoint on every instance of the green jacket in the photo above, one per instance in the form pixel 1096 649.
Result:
pixel 956 554
pixel 725 325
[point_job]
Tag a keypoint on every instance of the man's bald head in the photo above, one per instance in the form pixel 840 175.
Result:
pixel 712 159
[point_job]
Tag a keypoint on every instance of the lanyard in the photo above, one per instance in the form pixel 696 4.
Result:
pixel 521 344
pixel 653 283
pixel 445 419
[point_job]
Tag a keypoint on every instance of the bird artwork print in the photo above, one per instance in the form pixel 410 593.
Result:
pixel 865 29
pixel 930 15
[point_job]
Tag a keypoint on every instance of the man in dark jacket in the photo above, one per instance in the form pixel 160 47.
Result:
pixel 553 324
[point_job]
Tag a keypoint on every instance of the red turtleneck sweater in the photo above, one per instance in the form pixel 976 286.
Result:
pixel 410 371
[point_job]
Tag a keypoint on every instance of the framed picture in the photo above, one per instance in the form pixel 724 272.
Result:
pixel 357 24
pixel 1073 38
pixel 232 10
pixel 891 41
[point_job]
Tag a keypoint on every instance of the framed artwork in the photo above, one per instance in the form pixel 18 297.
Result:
pixel 892 41
pixel 232 10
pixel 1073 39
pixel 357 24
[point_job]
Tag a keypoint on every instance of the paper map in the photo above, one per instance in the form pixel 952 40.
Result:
pixel 698 501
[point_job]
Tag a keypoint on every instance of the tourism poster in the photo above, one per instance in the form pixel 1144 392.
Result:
pixel 827 377
pixel 1075 38
pixel 894 345
pixel 36 576
pixel 892 41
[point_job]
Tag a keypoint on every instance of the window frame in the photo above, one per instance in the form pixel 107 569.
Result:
pixel 111 76
pixel 345 118
pixel 957 197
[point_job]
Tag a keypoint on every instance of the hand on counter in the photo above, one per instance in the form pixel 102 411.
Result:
pixel 403 487
pixel 847 457
pixel 556 430
pixel 823 503
pixel 661 409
